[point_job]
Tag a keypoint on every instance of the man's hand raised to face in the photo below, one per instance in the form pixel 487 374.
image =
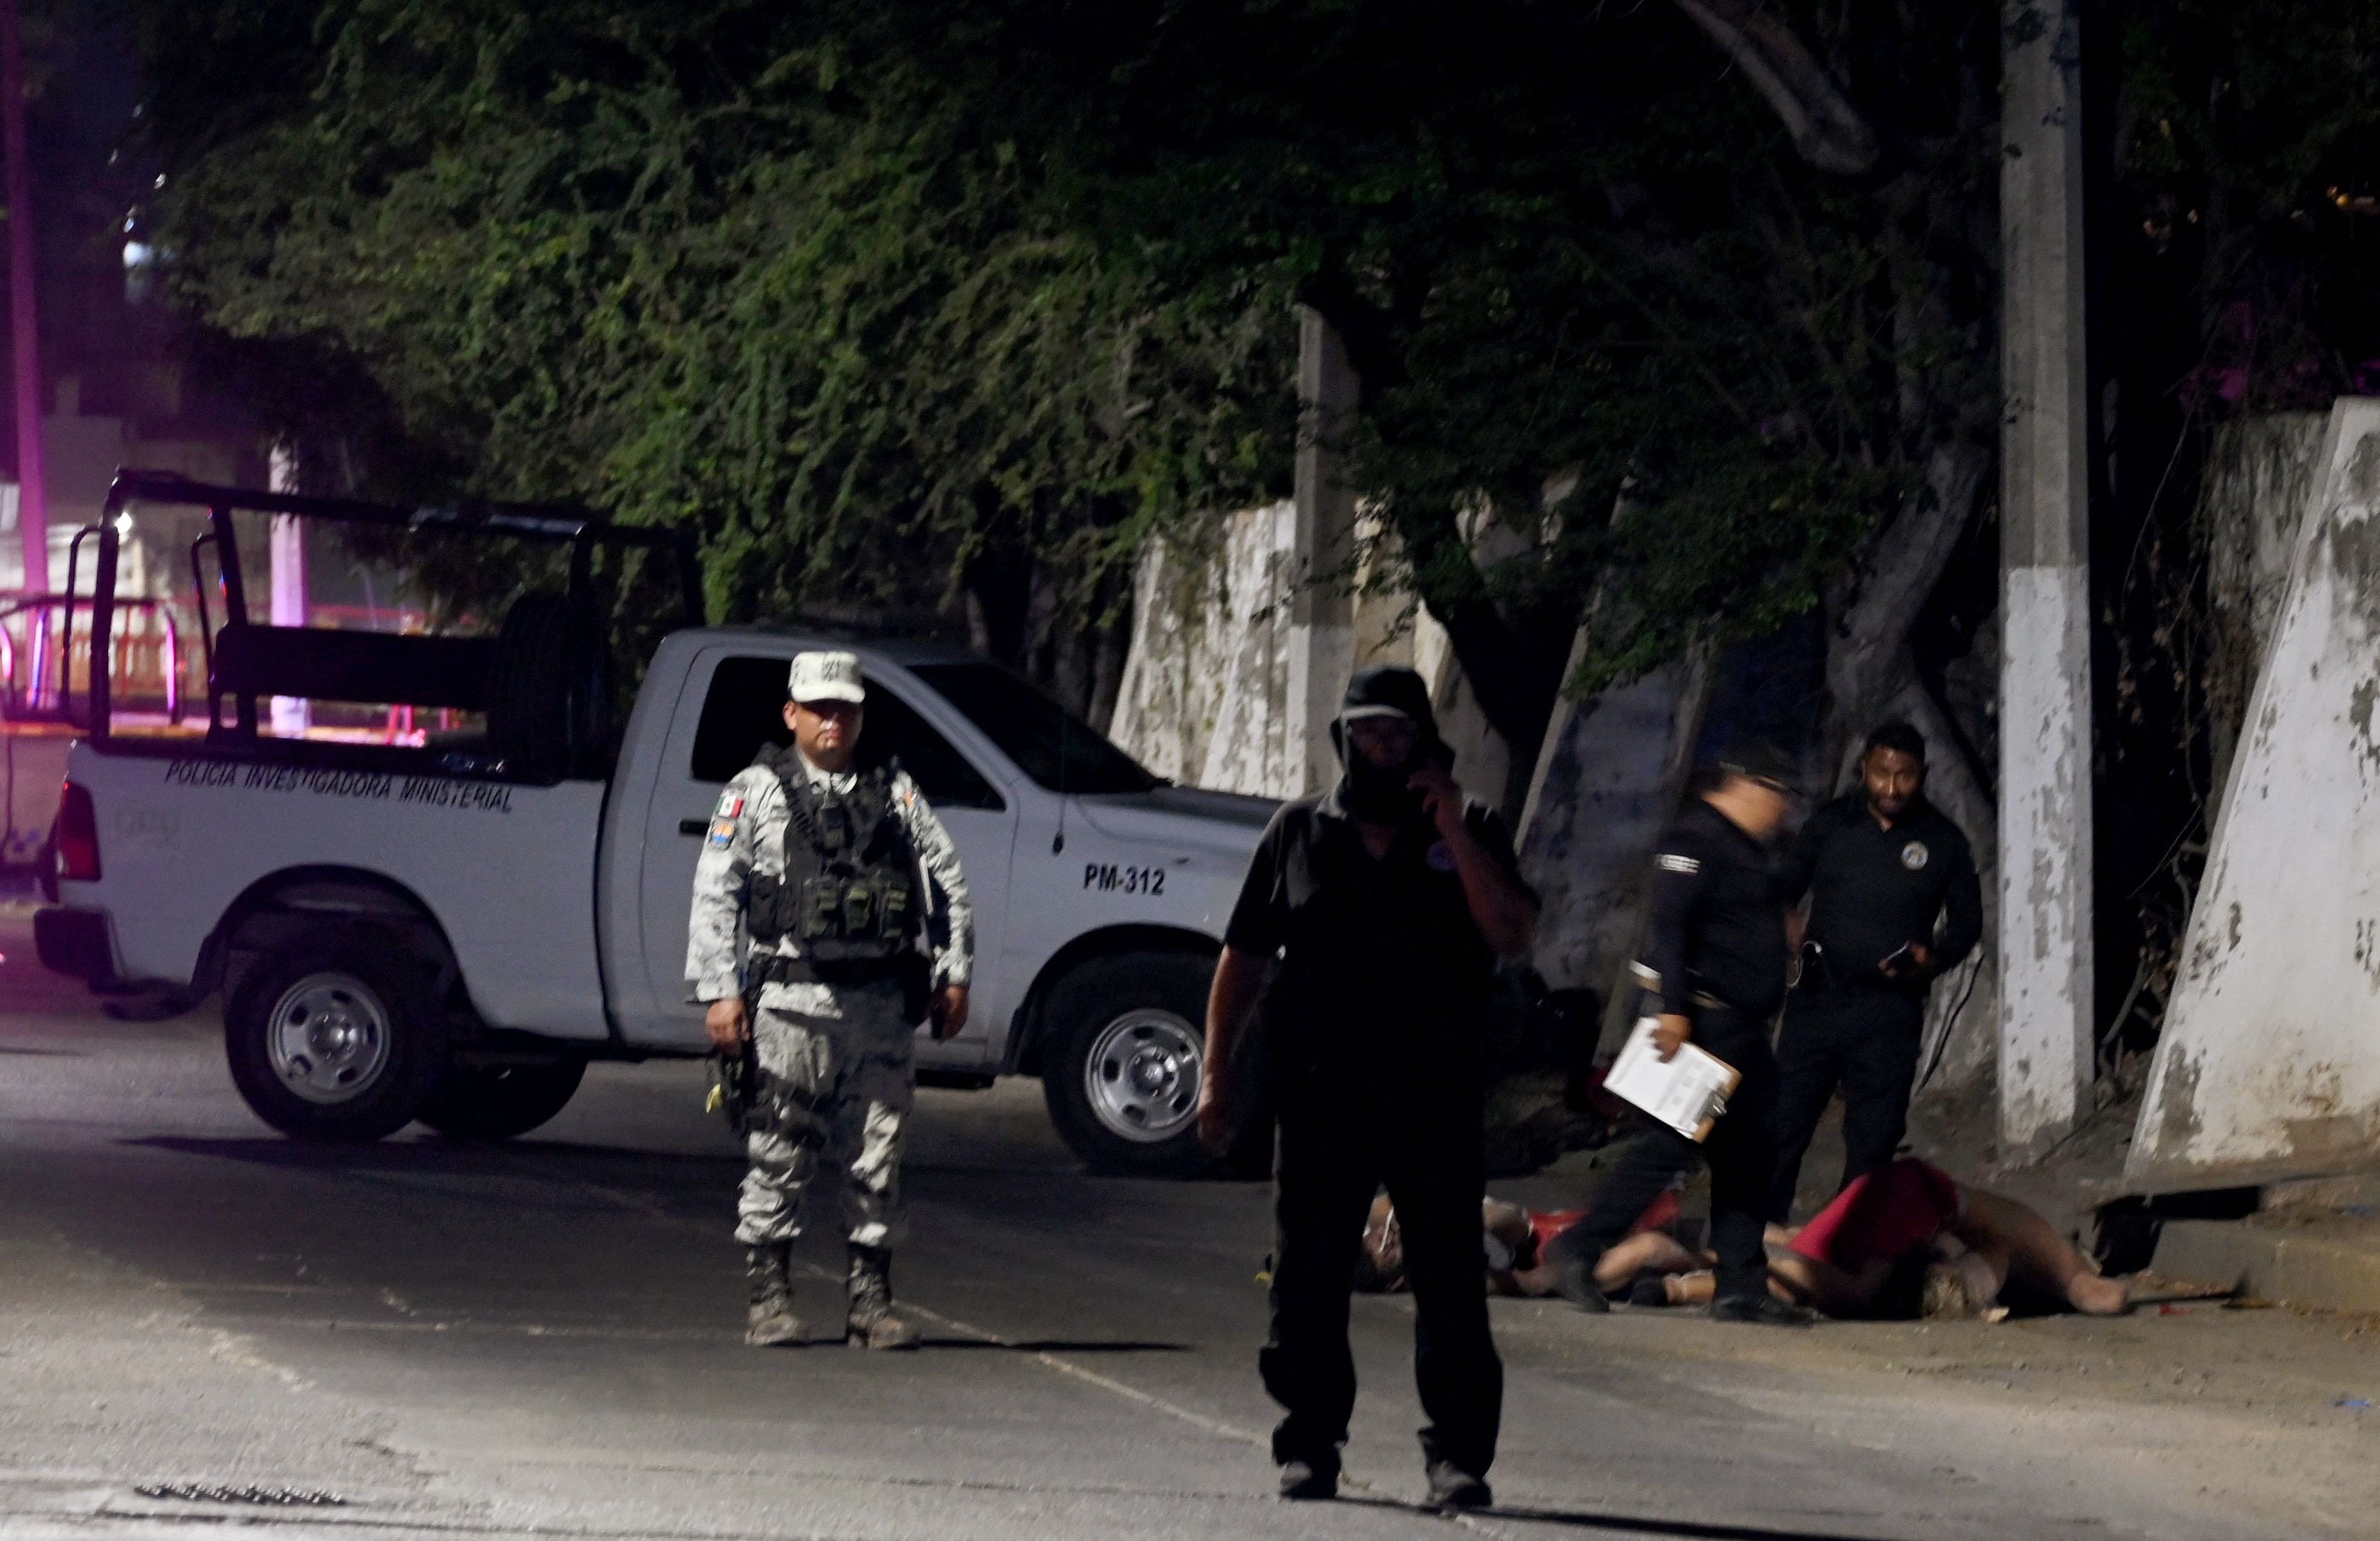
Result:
pixel 1441 798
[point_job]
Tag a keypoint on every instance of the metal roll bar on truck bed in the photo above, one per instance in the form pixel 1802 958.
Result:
pixel 542 680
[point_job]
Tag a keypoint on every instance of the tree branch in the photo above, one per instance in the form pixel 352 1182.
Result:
pixel 1828 131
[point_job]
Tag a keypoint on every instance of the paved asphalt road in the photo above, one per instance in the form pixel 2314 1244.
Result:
pixel 542 1338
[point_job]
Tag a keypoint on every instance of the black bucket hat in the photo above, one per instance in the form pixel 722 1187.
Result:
pixel 1758 760
pixel 1389 690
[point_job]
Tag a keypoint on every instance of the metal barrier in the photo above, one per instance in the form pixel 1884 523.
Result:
pixel 44 654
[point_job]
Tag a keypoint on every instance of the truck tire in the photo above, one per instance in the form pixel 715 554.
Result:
pixel 333 1037
pixel 1124 1062
pixel 496 1102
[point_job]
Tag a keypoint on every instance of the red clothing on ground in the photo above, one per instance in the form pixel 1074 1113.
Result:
pixel 1882 1215
pixel 1546 1224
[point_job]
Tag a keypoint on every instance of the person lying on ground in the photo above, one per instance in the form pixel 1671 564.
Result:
pixel 1973 1246
pixel 1512 1239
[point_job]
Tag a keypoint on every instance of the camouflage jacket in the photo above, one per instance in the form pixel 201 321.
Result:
pixel 747 834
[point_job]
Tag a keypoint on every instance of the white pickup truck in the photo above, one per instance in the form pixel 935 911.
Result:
pixel 450 926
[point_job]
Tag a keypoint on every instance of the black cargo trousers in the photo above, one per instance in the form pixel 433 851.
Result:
pixel 1340 1139
pixel 1863 1037
pixel 1740 1153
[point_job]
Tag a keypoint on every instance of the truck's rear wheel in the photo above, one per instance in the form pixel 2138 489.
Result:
pixel 496 1102
pixel 1124 1060
pixel 333 1037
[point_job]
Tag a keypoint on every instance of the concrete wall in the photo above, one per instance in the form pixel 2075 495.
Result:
pixel 2270 1060
pixel 2258 480
pixel 1208 679
pixel 1609 777
pixel 1204 698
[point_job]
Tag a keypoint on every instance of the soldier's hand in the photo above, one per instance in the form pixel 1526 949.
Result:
pixel 1670 1032
pixel 724 1021
pixel 949 1011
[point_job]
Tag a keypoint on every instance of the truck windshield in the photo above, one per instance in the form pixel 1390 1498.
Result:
pixel 1049 743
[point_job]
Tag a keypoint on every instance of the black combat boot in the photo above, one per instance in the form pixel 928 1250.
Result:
pixel 769 1271
pixel 872 1324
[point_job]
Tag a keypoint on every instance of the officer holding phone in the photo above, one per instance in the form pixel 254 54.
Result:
pixel 1894 903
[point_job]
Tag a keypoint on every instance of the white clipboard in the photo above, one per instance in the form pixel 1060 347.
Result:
pixel 1689 1092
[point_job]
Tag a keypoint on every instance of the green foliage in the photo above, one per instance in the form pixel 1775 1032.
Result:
pixel 2248 143
pixel 1566 254
pixel 702 262
pixel 870 291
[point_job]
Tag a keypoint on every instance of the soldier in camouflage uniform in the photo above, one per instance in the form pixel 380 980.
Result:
pixel 842 941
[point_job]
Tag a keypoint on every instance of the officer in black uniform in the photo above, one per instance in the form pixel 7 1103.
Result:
pixel 1364 940
pixel 1894 903
pixel 1715 968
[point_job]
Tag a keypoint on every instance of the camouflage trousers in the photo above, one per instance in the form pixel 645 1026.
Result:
pixel 834 1086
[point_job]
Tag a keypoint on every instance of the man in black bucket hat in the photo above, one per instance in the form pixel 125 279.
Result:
pixel 1365 939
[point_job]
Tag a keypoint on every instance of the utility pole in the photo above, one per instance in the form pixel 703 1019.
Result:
pixel 2044 934
pixel 1322 606
pixel 32 485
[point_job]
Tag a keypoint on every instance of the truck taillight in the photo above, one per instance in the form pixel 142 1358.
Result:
pixel 78 836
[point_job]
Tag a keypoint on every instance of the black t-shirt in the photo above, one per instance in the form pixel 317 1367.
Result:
pixel 1381 959
pixel 1874 889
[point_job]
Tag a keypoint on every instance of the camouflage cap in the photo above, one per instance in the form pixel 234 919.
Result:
pixel 825 676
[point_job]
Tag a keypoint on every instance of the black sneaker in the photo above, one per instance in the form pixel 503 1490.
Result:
pixel 1303 1480
pixel 1452 1488
pixel 1576 1284
pixel 1764 1309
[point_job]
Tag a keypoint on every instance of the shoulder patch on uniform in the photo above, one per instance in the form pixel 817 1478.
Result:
pixel 723 834
pixel 1686 865
pixel 908 793
pixel 731 802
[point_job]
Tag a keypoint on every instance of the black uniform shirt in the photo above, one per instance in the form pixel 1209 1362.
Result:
pixel 1379 959
pixel 1716 925
pixel 1871 890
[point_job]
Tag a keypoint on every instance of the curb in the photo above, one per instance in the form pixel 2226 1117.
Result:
pixel 2329 1264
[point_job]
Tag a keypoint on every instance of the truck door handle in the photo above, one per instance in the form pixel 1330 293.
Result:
pixel 692 826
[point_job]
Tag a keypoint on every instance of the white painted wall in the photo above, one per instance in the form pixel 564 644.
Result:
pixel 1212 670
pixel 2259 478
pixel 1203 700
pixel 2270 1060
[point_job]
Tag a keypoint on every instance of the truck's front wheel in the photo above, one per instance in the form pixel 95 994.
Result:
pixel 333 1038
pixel 1124 1061
pixel 496 1102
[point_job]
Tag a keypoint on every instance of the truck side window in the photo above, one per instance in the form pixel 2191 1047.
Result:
pixel 745 708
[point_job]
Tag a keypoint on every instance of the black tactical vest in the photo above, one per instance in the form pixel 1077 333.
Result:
pixel 849 892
